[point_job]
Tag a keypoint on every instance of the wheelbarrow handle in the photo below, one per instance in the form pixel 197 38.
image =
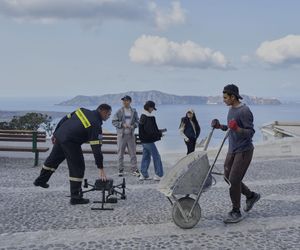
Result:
pixel 207 141
pixel 220 148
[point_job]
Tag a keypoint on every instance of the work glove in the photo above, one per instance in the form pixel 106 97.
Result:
pixel 186 139
pixel 233 125
pixel 215 124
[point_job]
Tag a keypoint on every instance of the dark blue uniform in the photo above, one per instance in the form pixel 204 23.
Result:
pixel 72 131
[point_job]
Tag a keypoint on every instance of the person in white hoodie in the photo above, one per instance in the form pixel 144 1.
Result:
pixel 126 121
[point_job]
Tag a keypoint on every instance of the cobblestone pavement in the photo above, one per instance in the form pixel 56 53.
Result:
pixel 35 218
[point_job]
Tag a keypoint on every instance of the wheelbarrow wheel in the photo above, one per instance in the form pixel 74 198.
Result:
pixel 186 204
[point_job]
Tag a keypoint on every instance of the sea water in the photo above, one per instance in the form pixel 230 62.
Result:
pixel 169 116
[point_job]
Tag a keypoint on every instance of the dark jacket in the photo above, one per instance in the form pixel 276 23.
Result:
pixel 82 126
pixel 188 130
pixel 148 130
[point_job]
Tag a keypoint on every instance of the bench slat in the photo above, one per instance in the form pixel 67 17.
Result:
pixel 109 151
pixel 3 135
pixel 21 139
pixel 22 149
pixel 8 131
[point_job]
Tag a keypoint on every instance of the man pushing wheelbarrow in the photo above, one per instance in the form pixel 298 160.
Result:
pixel 240 151
pixel 190 176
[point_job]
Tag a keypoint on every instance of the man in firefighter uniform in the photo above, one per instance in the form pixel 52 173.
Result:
pixel 72 131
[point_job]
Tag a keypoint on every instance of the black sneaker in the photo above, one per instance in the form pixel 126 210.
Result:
pixel 250 202
pixel 121 173
pixel 41 184
pixel 76 201
pixel 136 173
pixel 233 217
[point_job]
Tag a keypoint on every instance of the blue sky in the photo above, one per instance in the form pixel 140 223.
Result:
pixel 94 47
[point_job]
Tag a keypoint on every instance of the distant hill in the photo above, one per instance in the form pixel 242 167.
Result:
pixel 160 98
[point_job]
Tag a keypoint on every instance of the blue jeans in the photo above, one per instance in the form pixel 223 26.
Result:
pixel 148 150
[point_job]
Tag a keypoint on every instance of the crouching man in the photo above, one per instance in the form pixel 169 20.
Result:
pixel 72 131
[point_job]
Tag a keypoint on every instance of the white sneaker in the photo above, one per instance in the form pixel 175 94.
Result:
pixel 142 178
pixel 156 178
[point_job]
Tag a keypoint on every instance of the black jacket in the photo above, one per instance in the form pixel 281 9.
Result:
pixel 188 128
pixel 82 126
pixel 148 130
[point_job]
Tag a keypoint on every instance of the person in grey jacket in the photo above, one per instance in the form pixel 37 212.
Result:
pixel 126 121
pixel 240 151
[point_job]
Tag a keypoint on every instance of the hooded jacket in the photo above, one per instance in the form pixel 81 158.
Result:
pixel 119 119
pixel 148 130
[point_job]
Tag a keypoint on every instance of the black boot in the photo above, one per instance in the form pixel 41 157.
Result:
pixel 44 177
pixel 76 194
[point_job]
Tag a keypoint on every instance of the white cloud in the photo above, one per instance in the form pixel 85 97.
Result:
pixel 91 11
pixel 155 50
pixel 166 18
pixel 284 51
pixel 245 59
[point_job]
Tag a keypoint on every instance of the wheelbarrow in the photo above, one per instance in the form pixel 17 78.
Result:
pixel 190 176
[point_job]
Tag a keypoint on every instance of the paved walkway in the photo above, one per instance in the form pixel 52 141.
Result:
pixel 35 218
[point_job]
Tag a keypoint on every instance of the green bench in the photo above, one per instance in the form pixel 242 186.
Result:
pixel 24 136
pixel 40 137
pixel 111 139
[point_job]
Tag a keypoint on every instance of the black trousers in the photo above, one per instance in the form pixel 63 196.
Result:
pixel 191 144
pixel 72 152
pixel 235 168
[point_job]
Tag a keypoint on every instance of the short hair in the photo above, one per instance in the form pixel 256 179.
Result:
pixel 146 107
pixel 104 106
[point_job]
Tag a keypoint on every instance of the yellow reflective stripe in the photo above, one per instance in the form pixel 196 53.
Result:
pixel 82 118
pixel 96 142
pixel 75 179
pixel 50 169
pixel 69 116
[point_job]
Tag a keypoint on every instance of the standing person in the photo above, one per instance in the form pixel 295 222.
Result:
pixel 72 131
pixel 240 151
pixel 126 121
pixel 149 134
pixel 190 130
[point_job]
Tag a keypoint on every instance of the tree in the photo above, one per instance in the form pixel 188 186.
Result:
pixel 30 121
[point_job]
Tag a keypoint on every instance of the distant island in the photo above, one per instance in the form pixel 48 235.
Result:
pixel 139 98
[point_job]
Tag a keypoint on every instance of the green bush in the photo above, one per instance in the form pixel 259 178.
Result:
pixel 29 121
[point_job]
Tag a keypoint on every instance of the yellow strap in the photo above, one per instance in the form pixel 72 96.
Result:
pixel 75 179
pixel 69 116
pixel 96 142
pixel 82 118
pixel 50 169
